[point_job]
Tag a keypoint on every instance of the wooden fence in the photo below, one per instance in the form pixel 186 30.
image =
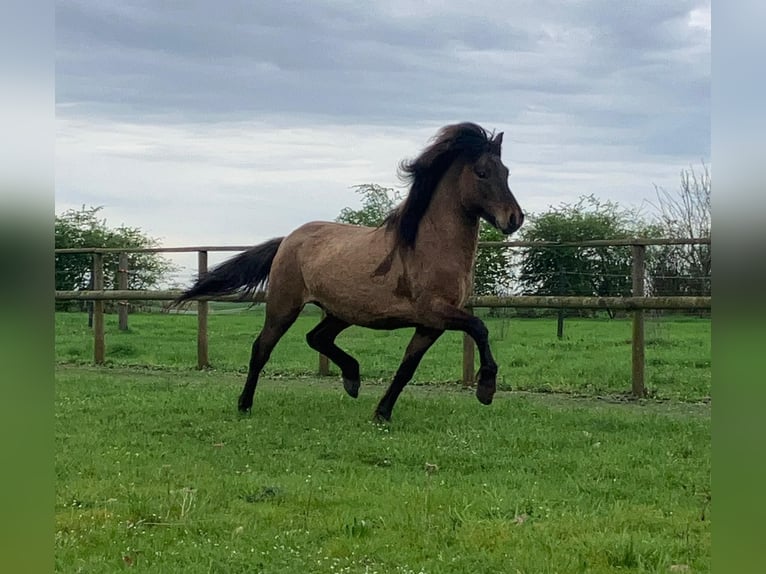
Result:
pixel 637 303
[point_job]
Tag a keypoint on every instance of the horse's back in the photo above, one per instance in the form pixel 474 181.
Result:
pixel 335 266
pixel 325 243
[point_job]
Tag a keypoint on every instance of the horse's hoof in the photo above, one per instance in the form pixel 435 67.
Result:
pixel 243 407
pixel 351 386
pixel 381 418
pixel 485 394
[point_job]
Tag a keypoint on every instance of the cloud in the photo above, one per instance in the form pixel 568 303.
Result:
pixel 389 64
pixel 210 125
pixel 263 178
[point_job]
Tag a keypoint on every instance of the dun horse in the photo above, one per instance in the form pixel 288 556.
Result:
pixel 415 270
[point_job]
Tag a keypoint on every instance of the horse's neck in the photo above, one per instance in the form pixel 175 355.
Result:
pixel 447 232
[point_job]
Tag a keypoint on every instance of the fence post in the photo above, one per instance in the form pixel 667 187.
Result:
pixel 469 350
pixel 324 366
pixel 89 304
pixel 122 283
pixel 560 322
pixel 202 309
pixel 324 362
pixel 98 310
pixel 639 267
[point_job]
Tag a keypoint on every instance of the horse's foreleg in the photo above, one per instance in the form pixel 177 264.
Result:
pixel 274 327
pixel 322 339
pixel 454 319
pixel 420 343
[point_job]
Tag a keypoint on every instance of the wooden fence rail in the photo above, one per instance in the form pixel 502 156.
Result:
pixel 637 303
pixel 676 303
pixel 482 244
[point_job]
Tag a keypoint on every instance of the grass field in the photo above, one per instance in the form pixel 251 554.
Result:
pixel 594 357
pixel 157 473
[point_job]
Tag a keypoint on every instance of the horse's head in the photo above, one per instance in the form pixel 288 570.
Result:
pixel 485 192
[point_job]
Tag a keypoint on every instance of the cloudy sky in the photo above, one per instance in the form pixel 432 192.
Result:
pixel 233 122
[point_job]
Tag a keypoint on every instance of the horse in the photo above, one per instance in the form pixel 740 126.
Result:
pixel 414 270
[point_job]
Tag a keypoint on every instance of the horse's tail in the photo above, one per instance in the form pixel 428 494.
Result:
pixel 245 272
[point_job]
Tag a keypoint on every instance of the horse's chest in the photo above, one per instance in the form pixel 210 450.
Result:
pixel 449 286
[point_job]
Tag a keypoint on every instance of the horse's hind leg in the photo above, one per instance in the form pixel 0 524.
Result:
pixel 322 339
pixel 277 322
pixel 420 343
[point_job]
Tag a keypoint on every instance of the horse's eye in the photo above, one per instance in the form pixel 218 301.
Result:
pixel 481 174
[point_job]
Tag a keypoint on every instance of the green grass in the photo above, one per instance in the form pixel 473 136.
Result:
pixel 157 473
pixel 594 357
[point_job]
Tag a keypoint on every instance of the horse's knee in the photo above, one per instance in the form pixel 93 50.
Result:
pixel 314 339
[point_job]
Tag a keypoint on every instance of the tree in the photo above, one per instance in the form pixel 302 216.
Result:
pixel 584 271
pixel 491 272
pixel 685 213
pixel 78 228
pixel 377 203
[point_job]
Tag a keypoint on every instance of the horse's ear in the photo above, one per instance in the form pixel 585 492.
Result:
pixel 497 143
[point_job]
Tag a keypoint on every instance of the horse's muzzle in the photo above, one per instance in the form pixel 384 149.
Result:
pixel 514 223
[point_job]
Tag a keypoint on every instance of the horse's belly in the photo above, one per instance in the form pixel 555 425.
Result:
pixel 365 303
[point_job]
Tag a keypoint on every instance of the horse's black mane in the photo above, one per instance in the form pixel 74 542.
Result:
pixel 466 141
